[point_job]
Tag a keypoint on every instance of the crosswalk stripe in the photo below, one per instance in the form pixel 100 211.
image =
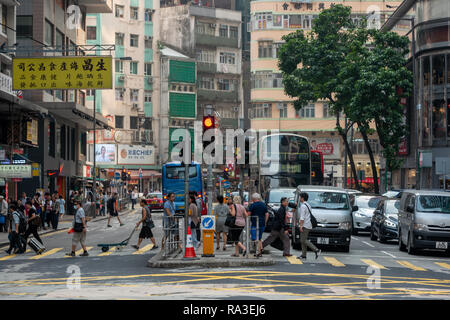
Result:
pixel 334 262
pixel 294 260
pixel 443 265
pixel 107 253
pixel 409 265
pixel 11 256
pixel 46 253
pixel 144 249
pixel 77 253
pixel 372 263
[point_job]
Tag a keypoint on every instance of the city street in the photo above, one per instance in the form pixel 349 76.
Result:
pixel 124 274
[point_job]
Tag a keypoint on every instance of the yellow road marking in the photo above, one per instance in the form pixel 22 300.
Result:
pixel 107 253
pixel 373 264
pixel 410 265
pixel 47 253
pixel 294 260
pixel 77 253
pixel 12 256
pixel 144 249
pixel 334 262
pixel 443 265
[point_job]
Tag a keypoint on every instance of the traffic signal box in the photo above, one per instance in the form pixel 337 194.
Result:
pixel 124 174
pixel 209 122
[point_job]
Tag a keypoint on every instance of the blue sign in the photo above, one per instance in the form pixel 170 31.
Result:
pixel 117 175
pixel 226 184
pixel 208 222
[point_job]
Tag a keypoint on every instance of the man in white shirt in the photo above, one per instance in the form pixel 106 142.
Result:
pixel 134 196
pixel 306 226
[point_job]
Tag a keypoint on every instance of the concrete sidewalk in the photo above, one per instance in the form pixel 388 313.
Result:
pixel 64 224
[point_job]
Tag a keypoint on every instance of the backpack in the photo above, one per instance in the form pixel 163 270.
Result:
pixel 313 219
pixel 22 221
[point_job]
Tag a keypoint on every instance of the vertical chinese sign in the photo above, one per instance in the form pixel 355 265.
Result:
pixel 62 72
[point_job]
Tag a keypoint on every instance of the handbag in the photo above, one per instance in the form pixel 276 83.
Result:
pixel 78 227
pixel 313 219
pixel 231 220
pixel 36 221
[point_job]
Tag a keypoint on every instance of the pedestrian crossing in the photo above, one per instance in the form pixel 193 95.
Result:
pixel 383 263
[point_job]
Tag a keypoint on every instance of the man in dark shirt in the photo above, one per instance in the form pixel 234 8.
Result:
pixel 258 209
pixel 280 229
pixel 32 224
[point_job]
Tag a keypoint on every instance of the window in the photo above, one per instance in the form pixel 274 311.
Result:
pixel 276 48
pixel 223 84
pixel 4 18
pixel 265 49
pixel 147 124
pixel 261 110
pixel 234 32
pixel 81 98
pixel 119 38
pixel 206 56
pixel 227 57
pixel 205 28
pixel 266 79
pixel 223 31
pixel 51 139
pixel 134 95
pixel 133 67
pixel 147 96
pixel 283 109
pixel 24 26
pixel 326 111
pixel 59 39
pixel 307 111
pixel 133 122
pixel 119 66
pixel 147 69
pixel 91 33
pixel 119 11
pixel 134 13
pixel 148 15
pixel 89 92
pixel 120 93
pixel 306 22
pixel 59 94
pixel 206 83
pixel 49 33
pixel 83 143
pixel 148 42
pixel 119 122
pixel 134 40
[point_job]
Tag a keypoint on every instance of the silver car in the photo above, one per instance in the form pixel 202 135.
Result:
pixel 363 217
pixel 424 220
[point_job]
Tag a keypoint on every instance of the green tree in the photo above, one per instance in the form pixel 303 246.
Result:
pixel 310 63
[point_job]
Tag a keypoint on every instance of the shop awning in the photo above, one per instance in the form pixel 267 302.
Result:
pixel 19 104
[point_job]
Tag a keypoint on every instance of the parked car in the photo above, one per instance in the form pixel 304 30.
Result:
pixel 394 193
pixel 362 218
pixel 352 193
pixel 331 207
pixel 384 225
pixel 424 220
pixel 272 200
pixel 155 201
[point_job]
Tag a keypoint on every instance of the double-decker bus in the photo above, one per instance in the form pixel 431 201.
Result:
pixel 284 161
pixel 173 181
pixel 316 167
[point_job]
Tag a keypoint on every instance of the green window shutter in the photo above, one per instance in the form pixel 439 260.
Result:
pixel 182 105
pixel 181 71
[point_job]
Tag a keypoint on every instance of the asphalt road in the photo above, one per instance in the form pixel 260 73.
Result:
pixel 369 271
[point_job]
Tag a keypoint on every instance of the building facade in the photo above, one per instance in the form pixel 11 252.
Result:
pixel 426 153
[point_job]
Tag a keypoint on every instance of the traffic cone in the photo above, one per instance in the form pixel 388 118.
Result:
pixel 189 253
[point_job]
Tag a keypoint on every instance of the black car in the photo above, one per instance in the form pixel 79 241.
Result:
pixel 384 224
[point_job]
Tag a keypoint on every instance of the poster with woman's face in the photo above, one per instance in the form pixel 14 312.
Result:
pixel 105 153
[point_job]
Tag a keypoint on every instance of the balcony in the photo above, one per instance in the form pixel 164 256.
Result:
pixel 213 41
pixel 216 95
pixel 206 67
pixel 97 6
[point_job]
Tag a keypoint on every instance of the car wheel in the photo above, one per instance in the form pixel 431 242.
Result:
pixel 401 246
pixel 372 234
pixel 346 248
pixel 409 247
pixel 381 239
pixel 354 231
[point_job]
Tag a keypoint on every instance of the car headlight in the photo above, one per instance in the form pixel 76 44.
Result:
pixel 390 224
pixel 420 227
pixel 345 225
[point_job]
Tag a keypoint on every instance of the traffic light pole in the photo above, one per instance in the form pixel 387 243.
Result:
pixel 210 189
pixel 187 156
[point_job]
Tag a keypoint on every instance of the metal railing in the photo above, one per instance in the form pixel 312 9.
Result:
pixel 246 234
pixel 172 234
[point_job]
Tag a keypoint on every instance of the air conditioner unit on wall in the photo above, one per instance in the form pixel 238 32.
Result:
pixel 135 106
pixel 149 80
pixel 121 78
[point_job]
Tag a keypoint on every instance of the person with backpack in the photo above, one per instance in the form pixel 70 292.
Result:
pixel 280 229
pixel 34 221
pixel 14 230
pixel 46 211
pixel 306 226
pixel 113 210
pixel 147 225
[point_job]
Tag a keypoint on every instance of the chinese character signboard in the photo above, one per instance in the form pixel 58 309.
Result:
pixel 330 147
pixel 62 72
pixel 15 171
pixel 142 155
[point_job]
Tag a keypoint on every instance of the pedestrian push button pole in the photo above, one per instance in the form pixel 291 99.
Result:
pixel 208 230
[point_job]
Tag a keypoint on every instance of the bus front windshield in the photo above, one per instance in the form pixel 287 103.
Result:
pixel 328 200
pixel 178 172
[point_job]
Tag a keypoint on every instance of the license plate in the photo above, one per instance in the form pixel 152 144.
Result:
pixel 441 245
pixel 153 202
pixel 323 240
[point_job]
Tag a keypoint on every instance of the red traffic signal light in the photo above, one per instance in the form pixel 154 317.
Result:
pixel 208 122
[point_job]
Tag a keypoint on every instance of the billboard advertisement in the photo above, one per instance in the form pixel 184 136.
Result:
pixel 62 72
pixel 136 154
pixel 330 147
pixel 105 153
